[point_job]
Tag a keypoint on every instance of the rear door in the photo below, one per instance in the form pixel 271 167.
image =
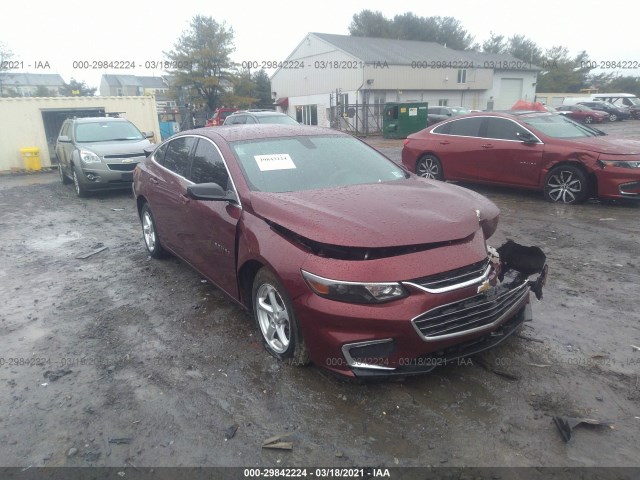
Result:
pixel 459 148
pixel 167 192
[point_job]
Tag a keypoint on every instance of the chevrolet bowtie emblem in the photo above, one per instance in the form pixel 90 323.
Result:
pixel 127 160
pixel 484 287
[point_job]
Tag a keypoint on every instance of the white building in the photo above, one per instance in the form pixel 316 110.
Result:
pixel 325 73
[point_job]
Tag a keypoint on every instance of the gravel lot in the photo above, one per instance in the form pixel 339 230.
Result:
pixel 120 360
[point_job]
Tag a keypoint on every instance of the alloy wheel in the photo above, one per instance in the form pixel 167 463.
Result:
pixel 273 318
pixel 564 187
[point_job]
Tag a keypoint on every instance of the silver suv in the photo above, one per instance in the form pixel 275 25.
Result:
pixel 99 153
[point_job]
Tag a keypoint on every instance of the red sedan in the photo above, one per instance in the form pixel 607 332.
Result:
pixel 532 150
pixel 582 114
pixel 327 242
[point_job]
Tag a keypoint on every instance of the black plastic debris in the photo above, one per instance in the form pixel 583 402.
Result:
pixel 567 424
pixel 230 432
pixel 54 375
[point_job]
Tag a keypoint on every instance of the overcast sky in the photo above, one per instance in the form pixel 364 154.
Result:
pixel 65 31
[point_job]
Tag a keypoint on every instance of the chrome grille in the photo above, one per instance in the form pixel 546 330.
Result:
pixel 125 155
pixel 453 279
pixel 470 314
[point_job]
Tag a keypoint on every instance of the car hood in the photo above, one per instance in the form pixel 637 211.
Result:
pixel 399 213
pixel 610 144
pixel 114 148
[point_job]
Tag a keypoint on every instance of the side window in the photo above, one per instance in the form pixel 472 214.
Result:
pixel 158 153
pixel 176 156
pixel 238 119
pixel 435 110
pixel 503 129
pixel 208 165
pixel 443 129
pixel 65 129
pixel 250 120
pixel 467 127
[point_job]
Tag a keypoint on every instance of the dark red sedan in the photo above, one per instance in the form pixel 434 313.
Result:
pixel 330 245
pixel 532 150
pixel 582 114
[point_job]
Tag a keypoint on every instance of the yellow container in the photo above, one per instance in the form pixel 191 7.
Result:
pixel 31 158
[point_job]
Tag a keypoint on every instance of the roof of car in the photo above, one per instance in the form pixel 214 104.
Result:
pixel 232 133
pixel 258 113
pixel 98 119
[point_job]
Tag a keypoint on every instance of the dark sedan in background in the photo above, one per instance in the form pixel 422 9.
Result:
pixel 532 150
pixel 330 245
pixel 438 114
pixel 616 113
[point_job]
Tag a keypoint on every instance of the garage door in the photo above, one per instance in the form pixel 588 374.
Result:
pixel 510 93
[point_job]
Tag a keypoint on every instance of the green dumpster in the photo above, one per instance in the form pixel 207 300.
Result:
pixel 403 118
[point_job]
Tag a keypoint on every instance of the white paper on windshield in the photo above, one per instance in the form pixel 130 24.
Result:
pixel 277 161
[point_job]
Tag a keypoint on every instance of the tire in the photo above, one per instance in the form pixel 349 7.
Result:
pixel 280 333
pixel 613 117
pixel 150 233
pixel 429 166
pixel 63 177
pixel 81 191
pixel 566 184
pixel 588 119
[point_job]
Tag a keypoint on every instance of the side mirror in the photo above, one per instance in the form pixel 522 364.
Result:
pixel 149 150
pixel 148 134
pixel 526 137
pixel 211 192
pixel 64 139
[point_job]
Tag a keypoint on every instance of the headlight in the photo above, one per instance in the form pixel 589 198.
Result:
pixel 354 292
pixel 89 157
pixel 615 163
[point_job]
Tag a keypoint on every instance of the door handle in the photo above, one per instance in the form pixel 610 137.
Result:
pixel 153 180
pixel 184 199
pixel 487 145
pixel 444 142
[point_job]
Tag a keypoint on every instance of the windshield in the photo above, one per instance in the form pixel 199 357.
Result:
pixel 291 164
pixel 283 119
pixel 106 132
pixel 459 110
pixel 559 126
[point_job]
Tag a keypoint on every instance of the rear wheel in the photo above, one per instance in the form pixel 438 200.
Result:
pixel 276 319
pixel 150 234
pixel 613 117
pixel 566 184
pixel 429 166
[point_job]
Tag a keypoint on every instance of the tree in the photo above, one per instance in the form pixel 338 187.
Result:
pixel 5 55
pixel 41 91
pixel 525 49
pixel 77 89
pixel 201 60
pixel 561 73
pixel 242 95
pixel 263 88
pixel 623 84
pixel 370 24
pixel 408 26
pixel 495 44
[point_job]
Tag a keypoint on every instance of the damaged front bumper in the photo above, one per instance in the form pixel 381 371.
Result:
pixel 492 303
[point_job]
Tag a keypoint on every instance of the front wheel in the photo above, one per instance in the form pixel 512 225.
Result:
pixel 63 177
pixel 276 319
pixel 429 166
pixel 588 119
pixel 566 184
pixel 613 117
pixel 81 191
pixel 150 233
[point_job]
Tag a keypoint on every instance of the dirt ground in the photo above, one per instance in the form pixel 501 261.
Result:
pixel 120 360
